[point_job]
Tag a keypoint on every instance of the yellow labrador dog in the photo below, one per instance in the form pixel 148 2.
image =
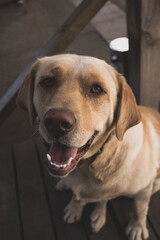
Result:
pixel 101 143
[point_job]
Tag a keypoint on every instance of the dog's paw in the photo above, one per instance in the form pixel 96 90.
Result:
pixel 136 231
pixel 72 213
pixel 61 185
pixel 98 219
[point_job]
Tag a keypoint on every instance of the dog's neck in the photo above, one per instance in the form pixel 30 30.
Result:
pixel 94 156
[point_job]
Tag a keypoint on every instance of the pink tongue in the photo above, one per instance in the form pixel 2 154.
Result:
pixel 61 154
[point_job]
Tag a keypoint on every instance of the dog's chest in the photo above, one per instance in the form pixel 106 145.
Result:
pixel 86 188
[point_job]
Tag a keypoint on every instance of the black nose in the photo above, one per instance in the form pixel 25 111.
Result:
pixel 59 122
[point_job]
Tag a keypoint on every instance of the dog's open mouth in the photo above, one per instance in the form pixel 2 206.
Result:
pixel 62 159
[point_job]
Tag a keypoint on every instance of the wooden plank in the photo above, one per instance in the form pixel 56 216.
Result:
pixel 75 24
pixel 154 213
pixel 143 18
pixel 109 231
pixel 122 210
pixel 150 49
pixel 34 209
pixel 57 44
pixel 9 214
pixel 58 201
pixel 133 11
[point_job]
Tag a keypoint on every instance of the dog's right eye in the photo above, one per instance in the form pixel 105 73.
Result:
pixel 47 82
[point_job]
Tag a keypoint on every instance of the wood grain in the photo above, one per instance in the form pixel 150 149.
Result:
pixel 150 53
pixel 9 214
pixel 143 21
pixel 36 219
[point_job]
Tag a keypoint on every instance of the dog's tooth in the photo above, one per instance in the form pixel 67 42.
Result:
pixel 48 157
pixel 63 165
pixel 58 166
pixel 54 164
pixel 70 160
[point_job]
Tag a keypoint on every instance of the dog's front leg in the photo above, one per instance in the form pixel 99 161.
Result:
pixel 98 216
pixel 73 210
pixel 136 229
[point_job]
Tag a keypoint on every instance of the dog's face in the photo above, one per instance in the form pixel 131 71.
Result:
pixel 77 100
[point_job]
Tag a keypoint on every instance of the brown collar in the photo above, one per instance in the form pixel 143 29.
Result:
pixel 92 158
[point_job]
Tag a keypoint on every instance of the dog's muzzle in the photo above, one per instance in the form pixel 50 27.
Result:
pixel 63 159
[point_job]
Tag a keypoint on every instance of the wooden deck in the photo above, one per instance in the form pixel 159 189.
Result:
pixel 31 208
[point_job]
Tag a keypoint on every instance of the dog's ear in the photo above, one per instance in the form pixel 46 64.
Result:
pixel 127 114
pixel 25 94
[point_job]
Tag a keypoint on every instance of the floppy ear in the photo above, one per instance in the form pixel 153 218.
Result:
pixel 128 114
pixel 25 94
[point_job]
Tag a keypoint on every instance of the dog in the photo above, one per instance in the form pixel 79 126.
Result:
pixel 101 143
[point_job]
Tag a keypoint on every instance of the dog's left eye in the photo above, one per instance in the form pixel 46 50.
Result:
pixel 48 82
pixel 96 89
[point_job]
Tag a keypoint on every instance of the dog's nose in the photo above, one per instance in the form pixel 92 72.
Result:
pixel 59 122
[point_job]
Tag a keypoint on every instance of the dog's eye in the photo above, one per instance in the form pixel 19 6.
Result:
pixel 96 89
pixel 47 82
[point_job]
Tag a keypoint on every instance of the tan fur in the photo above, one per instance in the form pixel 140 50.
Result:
pixel 129 163
pixel 128 114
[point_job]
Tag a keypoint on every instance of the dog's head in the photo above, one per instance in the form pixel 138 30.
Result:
pixel 76 100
